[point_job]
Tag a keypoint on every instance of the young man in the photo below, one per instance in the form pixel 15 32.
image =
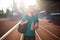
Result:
pixel 32 20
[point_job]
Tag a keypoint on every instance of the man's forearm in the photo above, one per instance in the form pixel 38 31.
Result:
pixel 36 25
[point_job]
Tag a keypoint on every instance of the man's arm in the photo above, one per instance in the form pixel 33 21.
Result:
pixel 21 22
pixel 36 25
pixel 37 22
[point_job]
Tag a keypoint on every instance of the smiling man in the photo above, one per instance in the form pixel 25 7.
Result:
pixel 32 24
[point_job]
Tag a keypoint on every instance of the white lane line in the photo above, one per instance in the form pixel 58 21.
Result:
pixel 21 38
pixel 38 35
pixel 53 28
pixel 49 32
pixel 7 33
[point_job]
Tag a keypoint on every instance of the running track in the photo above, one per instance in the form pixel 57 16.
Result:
pixel 47 30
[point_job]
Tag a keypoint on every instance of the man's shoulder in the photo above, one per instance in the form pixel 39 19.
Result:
pixel 25 15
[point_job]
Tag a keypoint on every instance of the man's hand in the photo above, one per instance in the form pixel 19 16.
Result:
pixel 34 27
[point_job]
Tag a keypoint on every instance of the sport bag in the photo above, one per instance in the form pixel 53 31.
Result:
pixel 22 28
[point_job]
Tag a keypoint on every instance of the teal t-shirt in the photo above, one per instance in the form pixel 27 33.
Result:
pixel 34 18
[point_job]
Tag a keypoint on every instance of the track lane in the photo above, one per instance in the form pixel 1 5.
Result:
pixel 51 28
pixel 14 35
pixel 45 35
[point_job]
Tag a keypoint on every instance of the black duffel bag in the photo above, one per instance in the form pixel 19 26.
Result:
pixel 22 28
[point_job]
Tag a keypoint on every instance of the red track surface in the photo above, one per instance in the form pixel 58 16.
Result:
pixel 44 24
pixel 6 25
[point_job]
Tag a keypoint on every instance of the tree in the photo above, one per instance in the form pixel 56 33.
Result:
pixel 38 5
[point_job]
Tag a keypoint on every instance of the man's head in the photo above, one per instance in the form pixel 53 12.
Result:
pixel 31 9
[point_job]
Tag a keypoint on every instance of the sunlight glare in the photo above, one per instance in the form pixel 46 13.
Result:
pixel 29 2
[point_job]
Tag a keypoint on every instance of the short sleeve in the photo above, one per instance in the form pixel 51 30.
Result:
pixel 23 18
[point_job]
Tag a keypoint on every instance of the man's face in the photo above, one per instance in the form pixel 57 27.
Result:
pixel 32 10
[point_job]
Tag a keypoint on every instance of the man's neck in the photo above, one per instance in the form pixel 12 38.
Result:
pixel 30 14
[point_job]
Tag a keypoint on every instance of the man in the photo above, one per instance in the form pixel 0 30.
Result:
pixel 32 20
